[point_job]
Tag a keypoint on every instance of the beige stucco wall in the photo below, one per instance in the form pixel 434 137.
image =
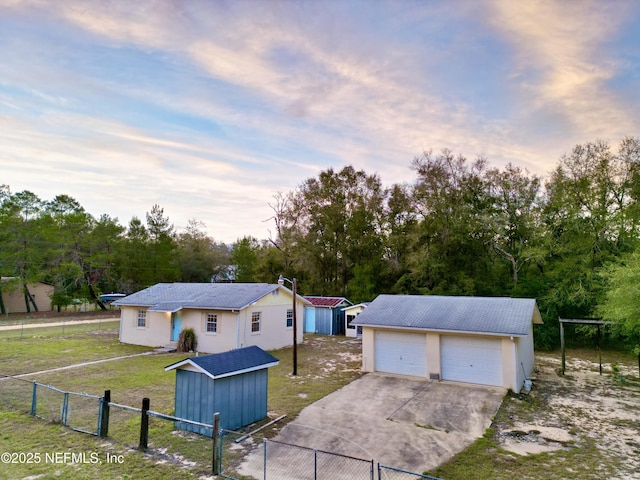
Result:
pixel 234 327
pixel 525 354
pixel 510 358
pixel 41 292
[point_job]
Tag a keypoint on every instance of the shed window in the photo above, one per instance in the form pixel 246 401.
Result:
pixel 142 319
pixel 350 318
pixel 212 323
pixel 290 318
pixel 255 322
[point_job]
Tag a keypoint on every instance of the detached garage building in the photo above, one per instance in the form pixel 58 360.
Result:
pixel 484 340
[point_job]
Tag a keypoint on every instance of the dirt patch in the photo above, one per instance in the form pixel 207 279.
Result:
pixel 563 412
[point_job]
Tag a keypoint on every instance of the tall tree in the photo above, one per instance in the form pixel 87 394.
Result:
pixel 200 257
pixel 515 217
pixel 451 199
pixel 244 258
pixel 621 300
pixel 23 240
pixel 163 258
pixel 332 226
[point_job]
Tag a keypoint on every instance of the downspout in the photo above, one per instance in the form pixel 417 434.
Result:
pixel 238 330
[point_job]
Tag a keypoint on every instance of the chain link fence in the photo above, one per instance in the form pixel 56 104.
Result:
pixel 234 455
pixel 124 424
pixel 26 329
pixel 262 459
pixel 16 394
pixel 391 473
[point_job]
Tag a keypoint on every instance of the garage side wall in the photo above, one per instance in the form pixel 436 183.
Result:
pixel 525 358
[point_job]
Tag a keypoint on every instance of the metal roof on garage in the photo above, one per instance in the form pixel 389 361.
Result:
pixel 488 315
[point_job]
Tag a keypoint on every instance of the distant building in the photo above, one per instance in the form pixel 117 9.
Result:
pixel 13 296
pixel 326 315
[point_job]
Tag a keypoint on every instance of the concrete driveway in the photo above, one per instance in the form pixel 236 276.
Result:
pixel 402 422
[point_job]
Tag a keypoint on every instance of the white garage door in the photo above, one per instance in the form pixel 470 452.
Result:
pixel 473 360
pixel 403 353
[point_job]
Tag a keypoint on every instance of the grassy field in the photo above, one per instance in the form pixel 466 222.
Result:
pixel 324 364
pixel 46 348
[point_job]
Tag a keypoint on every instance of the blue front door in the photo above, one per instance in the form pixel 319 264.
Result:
pixel 176 325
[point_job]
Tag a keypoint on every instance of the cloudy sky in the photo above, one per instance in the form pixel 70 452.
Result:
pixel 210 108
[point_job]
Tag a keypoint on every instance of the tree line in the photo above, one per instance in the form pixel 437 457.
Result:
pixel 569 239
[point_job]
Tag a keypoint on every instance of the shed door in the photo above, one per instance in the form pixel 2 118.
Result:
pixel 472 360
pixel 400 352
pixel 324 321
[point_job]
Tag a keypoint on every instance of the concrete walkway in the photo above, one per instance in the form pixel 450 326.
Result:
pixel 19 326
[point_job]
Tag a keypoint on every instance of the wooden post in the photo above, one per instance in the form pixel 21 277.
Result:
pixel 562 344
pixel 217 444
pixel 144 425
pixel 104 419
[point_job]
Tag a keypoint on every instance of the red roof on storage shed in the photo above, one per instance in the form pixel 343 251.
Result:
pixel 326 301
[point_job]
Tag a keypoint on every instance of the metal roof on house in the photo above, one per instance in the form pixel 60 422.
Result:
pixel 327 301
pixel 171 297
pixel 489 315
pixel 233 362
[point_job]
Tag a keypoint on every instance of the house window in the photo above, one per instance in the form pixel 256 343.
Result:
pixel 290 318
pixel 212 323
pixel 142 319
pixel 350 318
pixel 255 322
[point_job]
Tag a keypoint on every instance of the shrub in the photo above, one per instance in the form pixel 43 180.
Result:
pixel 187 341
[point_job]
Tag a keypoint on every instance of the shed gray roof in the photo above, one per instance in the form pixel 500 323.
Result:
pixel 489 315
pixel 171 297
pixel 233 362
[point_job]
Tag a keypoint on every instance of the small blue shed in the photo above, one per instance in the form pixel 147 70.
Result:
pixel 326 315
pixel 233 383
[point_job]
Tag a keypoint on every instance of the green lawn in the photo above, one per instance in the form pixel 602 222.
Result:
pixel 324 364
pixel 46 348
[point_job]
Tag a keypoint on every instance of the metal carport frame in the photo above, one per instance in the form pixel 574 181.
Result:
pixel 598 323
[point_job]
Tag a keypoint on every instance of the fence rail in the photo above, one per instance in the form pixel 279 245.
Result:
pixel 231 454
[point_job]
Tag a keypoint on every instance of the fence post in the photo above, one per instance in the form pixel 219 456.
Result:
pixel 217 444
pixel 315 464
pixel 264 466
pixel 64 414
pixel 144 425
pixel 104 414
pixel 34 398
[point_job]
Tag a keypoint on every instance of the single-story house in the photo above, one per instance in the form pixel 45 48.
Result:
pixel 13 297
pixel 467 339
pixel 232 383
pixel 350 314
pixel 224 316
pixel 325 316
